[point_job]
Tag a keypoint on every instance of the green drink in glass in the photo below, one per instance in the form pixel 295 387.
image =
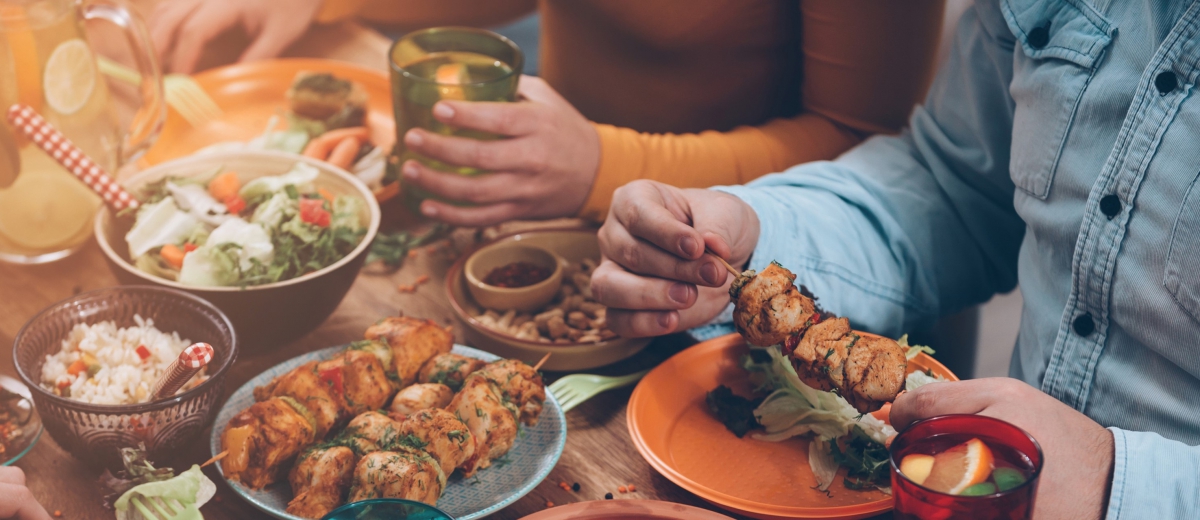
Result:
pixel 447 63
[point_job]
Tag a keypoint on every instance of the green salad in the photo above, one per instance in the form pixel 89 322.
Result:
pixel 216 230
pixel 840 435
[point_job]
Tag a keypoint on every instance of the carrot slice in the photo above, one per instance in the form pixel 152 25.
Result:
pixel 344 153
pixel 224 186
pixel 173 255
pixel 327 195
pixel 321 146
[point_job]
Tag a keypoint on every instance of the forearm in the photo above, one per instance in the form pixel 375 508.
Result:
pixel 711 158
pixel 418 14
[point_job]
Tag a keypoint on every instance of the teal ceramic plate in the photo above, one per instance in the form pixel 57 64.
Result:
pixel 21 406
pixel 534 453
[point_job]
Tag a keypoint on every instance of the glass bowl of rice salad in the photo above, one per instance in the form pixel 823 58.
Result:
pixel 91 360
pixel 254 232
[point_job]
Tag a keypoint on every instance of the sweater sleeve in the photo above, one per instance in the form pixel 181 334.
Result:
pixel 408 15
pixel 865 65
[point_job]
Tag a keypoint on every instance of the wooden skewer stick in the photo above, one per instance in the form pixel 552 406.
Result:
pixel 215 458
pixel 728 267
pixel 542 362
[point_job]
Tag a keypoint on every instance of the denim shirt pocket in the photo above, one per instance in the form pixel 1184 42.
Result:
pixel 1182 276
pixel 1061 43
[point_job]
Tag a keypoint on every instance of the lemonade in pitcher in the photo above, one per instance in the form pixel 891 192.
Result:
pixel 46 63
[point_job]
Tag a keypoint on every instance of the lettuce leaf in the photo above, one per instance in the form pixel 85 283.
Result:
pixel 188 491
pixel 300 177
pixel 159 224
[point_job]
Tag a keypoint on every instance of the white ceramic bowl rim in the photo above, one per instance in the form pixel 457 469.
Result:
pixel 512 290
pixel 162 170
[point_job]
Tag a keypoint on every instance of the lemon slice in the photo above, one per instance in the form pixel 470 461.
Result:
pixel 44 208
pixel 70 76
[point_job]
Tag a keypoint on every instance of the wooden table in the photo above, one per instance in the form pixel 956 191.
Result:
pixel 599 454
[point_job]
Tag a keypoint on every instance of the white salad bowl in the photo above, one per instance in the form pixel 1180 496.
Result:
pixel 265 315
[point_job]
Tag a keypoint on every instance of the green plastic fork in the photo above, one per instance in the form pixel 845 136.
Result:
pixel 573 390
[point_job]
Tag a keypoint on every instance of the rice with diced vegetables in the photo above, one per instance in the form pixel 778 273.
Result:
pixel 104 364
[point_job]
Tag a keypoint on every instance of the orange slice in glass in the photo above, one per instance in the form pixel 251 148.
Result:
pixel 24 54
pixel 960 467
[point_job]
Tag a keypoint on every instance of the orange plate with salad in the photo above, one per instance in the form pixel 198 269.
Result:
pixel 253 95
pixel 673 427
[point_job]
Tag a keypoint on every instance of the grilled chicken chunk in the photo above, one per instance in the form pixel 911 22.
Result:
pixel 828 355
pixel 769 308
pixel 263 438
pixel 413 342
pixel 336 389
pixel 492 420
pixel 304 384
pixel 370 432
pixel 320 480
pixel 404 473
pixel 449 369
pixel 874 372
pixel 520 384
pixel 440 434
pixel 419 397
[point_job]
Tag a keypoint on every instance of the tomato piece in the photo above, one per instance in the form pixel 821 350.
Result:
pixel 333 377
pixel 313 212
pixel 235 204
pixel 143 352
pixel 189 247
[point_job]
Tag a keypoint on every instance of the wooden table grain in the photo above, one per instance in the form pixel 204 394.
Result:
pixel 599 454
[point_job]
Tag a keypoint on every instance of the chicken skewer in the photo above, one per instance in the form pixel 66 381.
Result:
pixel 827 354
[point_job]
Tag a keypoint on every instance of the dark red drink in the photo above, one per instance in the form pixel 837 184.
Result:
pixel 1000 462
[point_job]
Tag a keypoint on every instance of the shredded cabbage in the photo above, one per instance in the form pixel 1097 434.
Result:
pixel 157 225
pixel 188 491
pixel 301 176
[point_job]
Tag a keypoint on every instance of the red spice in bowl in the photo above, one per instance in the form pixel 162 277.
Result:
pixel 517 274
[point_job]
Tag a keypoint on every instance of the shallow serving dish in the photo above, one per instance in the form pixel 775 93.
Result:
pixel 264 315
pixel 572 245
pixel 94 432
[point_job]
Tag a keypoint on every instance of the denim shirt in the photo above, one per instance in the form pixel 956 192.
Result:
pixel 1058 149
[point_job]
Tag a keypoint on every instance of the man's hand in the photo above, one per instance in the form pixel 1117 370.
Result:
pixel 654 276
pixel 545 168
pixel 1078 451
pixel 181 28
pixel 16 502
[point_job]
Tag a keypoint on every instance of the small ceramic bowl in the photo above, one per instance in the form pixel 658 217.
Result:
pixel 572 244
pixel 522 299
pixel 266 315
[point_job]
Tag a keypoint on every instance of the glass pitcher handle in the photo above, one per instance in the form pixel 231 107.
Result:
pixel 148 121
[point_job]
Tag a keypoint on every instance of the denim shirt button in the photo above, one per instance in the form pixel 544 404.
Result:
pixel 1084 325
pixel 1110 206
pixel 1166 82
pixel 1039 36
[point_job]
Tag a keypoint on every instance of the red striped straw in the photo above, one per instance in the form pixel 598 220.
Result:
pixel 190 361
pixel 70 156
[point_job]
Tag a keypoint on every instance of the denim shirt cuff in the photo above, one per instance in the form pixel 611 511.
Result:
pixel 1153 477
pixel 774 235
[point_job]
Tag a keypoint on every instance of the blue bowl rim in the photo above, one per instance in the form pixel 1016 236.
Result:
pixel 332 514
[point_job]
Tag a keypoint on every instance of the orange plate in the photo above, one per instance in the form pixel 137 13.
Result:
pixel 250 93
pixel 674 431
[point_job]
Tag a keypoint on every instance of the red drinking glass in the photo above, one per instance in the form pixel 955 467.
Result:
pixel 1008 443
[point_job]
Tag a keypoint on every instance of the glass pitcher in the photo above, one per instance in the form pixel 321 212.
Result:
pixel 47 63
